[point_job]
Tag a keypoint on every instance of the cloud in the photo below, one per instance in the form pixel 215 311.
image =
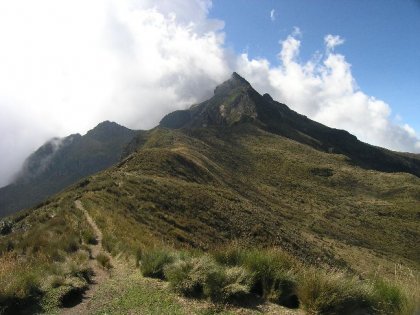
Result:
pixel 68 65
pixel 273 15
pixel 331 41
pixel 324 89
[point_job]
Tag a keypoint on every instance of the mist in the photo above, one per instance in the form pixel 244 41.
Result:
pixel 68 65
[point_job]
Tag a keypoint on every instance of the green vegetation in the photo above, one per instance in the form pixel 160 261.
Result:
pixel 202 277
pixel 154 261
pixel 235 275
pixel 321 228
pixel 193 189
pixel 128 293
pixel 44 259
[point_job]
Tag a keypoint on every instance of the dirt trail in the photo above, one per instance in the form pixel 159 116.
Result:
pixel 100 275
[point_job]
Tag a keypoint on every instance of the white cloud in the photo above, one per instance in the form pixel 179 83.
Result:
pixel 273 15
pixel 325 90
pixel 67 65
pixel 331 41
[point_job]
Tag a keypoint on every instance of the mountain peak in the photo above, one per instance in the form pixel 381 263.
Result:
pixel 237 77
pixel 235 82
pixel 233 102
pixel 106 129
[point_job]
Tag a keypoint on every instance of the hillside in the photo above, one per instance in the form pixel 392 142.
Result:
pixel 239 168
pixel 62 162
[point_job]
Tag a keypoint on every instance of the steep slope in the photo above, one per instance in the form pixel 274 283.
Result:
pixel 207 186
pixel 61 162
pixel 236 101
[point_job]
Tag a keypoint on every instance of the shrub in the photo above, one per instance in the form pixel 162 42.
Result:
pixel 71 244
pixel 111 244
pixel 154 261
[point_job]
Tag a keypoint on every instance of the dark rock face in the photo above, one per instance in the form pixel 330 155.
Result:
pixel 62 162
pixel 232 103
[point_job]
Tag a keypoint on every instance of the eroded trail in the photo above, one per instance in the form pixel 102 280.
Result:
pixel 100 275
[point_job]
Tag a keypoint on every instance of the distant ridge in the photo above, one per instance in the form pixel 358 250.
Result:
pixel 61 162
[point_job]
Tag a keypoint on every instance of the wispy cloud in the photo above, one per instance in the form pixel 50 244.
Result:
pixel 273 15
pixel 331 41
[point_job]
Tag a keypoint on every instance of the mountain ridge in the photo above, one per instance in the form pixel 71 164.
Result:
pixel 61 162
pixel 236 101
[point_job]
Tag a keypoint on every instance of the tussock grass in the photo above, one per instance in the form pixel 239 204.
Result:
pixel 203 277
pixel 333 292
pixel 273 271
pixel 395 297
pixel 188 276
pixel 154 261
pixel 233 274
pixel 228 284
pixel 104 261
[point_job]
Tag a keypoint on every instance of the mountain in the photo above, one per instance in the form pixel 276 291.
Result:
pixel 61 162
pixel 242 166
pixel 235 101
pixel 238 168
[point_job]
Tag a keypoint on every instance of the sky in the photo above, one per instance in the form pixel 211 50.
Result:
pixel 67 65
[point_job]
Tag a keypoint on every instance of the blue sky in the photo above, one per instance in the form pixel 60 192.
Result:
pixel 382 40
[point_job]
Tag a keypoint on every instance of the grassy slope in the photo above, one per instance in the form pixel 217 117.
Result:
pixel 211 186
pixel 206 187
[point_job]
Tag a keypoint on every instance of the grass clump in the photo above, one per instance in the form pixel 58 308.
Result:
pixel 333 292
pixel 231 284
pixel 188 276
pixel 272 270
pixel 273 276
pixel 390 298
pixel 104 261
pixel 154 261
pixel 202 277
